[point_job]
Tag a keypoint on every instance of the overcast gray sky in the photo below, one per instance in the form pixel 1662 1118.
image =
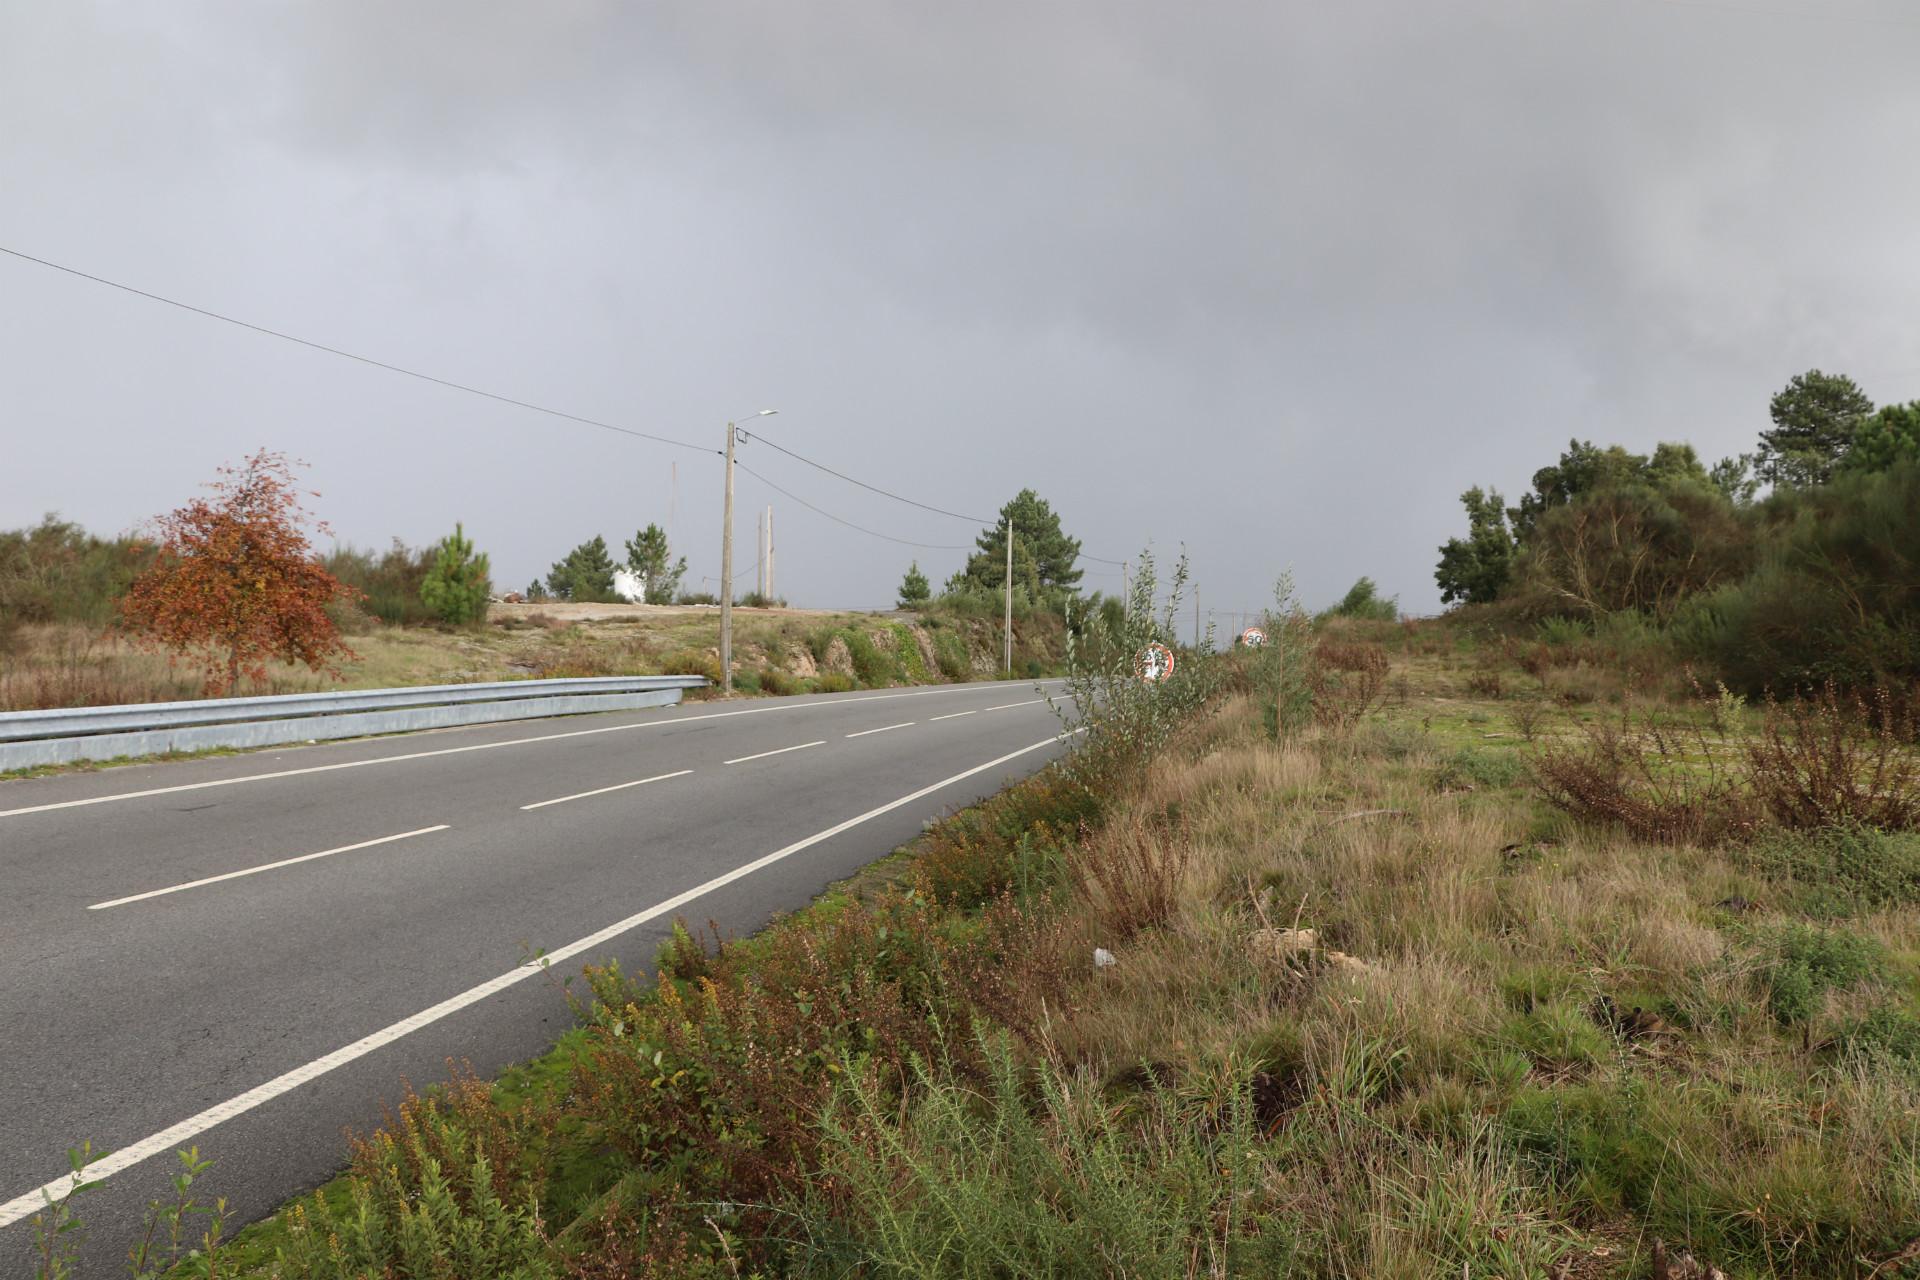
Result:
pixel 1275 280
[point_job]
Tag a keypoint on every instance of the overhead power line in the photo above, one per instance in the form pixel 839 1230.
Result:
pixel 871 488
pixel 533 407
pixel 886 493
pixel 875 533
pixel 355 356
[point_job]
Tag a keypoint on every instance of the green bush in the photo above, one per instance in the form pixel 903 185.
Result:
pixel 1800 964
pixel 390 583
pixel 1859 866
pixel 1364 601
pixel 56 571
pixel 777 682
pixel 950 649
pixel 458 584
pixel 832 682
pixel 1835 597
pixel 691 662
pixel 1477 766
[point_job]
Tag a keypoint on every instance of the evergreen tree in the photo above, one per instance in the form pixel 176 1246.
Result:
pixel 1049 553
pixel 914 588
pixel 586 575
pixel 1814 419
pixel 458 584
pixel 651 561
pixel 1889 436
pixel 536 592
pixel 1473 569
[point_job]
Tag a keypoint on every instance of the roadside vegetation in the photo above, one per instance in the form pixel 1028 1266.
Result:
pixel 228 595
pixel 1390 949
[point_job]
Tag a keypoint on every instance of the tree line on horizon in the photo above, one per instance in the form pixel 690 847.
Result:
pixel 1789 567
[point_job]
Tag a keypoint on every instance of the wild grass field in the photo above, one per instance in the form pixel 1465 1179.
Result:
pixel 1406 953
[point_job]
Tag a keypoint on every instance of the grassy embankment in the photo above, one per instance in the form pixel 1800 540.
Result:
pixel 776 651
pixel 1411 977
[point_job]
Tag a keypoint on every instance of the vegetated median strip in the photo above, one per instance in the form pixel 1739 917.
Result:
pixel 600 791
pixel 780 751
pixel 476 746
pixel 270 866
pixel 904 724
pixel 22 1206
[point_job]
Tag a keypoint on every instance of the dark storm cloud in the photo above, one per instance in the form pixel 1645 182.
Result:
pixel 1277 281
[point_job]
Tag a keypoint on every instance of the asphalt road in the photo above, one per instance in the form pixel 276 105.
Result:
pixel 252 953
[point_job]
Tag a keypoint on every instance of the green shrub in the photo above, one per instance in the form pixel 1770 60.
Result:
pixel 1885 1033
pixel 56 571
pixel 1480 767
pixel 457 585
pixel 1065 1188
pixel 872 667
pixel 691 662
pixel 1858 865
pixel 1835 596
pixel 1364 601
pixel 390 583
pixel 1800 964
pixel 832 682
pixel 777 682
pixel 950 649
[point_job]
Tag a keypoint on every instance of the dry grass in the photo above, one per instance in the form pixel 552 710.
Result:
pixel 63 665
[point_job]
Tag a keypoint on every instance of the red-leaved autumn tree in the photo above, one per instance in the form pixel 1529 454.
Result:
pixel 235 583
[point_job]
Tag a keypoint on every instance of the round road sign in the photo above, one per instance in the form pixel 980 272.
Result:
pixel 1253 637
pixel 1154 663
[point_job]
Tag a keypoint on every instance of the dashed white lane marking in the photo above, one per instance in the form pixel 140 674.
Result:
pixel 1030 702
pixel 930 719
pixel 167 1139
pixel 475 746
pixel 600 791
pixel 904 724
pixel 762 755
pixel 270 866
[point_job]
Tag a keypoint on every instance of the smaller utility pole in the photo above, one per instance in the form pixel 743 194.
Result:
pixel 726 578
pixel 769 553
pixel 1196 619
pixel 1006 643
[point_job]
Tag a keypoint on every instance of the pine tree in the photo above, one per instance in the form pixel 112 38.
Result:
pixel 585 576
pixel 1814 418
pixel 914 588
pixel 1043 555
pixel 649 557
pixel 458 584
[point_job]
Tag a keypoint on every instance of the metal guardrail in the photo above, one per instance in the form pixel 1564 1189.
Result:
pixel 63 735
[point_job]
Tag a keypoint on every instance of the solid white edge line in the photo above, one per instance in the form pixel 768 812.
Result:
pixel 780 752
pixel 477 746
pixel 33 1201
pixel 930 719
pixel 270 866
pixel 621 786
pixel 904 724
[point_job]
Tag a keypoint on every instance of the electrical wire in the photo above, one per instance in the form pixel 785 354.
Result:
pixel 875 533
pixel 885 493
pixel 871 488
pixel 351 355
pixel 551 412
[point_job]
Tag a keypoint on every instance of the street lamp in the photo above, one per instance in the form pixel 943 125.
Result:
pixel 726 568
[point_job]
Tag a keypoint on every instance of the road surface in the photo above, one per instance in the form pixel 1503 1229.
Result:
pixel 252 953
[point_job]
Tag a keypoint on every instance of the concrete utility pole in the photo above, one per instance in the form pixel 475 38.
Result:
pixel 769 553
pixel 726 569
pixel 1006 642
pixel 1196 619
